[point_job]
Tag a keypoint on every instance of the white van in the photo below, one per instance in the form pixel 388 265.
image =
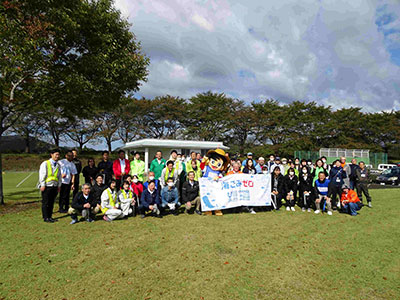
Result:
pixel 383 167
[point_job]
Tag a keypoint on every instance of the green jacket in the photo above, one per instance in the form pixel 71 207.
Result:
pixel 137 168
pixel 157 167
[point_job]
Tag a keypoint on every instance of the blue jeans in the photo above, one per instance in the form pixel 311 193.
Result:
pixel 351 208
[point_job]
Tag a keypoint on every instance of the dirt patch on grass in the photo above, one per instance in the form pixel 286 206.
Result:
pixel 16 207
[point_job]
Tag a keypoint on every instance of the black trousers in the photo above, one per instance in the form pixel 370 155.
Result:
pixel 76 186
pixel 336 192
pixel 309 199
pixel 363 188
pixel 118 184
pixel 278 201
pixel 63 201
pixel 48 197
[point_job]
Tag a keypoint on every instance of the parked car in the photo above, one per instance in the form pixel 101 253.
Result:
pixel 382 167
pixel 389 176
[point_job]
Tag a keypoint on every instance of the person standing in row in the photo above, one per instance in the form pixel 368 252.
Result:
pixel 68 174
pixel 78 166
pixel 105 168
pixel 157 165
pixel 121 167
pixel 50 184
pixel 137 167
pixel 90 171
pixel 362 182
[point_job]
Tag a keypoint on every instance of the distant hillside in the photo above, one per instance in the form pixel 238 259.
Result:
pixel 16 144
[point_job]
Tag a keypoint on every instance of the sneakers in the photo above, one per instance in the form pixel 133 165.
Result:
pixel 369 204
pixel 252 211
pixel 142 216
pixel 329 213
pixel 198 212
pixel 309 210
pixel 292 208
pixel 90 220
pixel 317 211
pixel 303 209
pixel 105 218
pixel 287 208
pixel 74 221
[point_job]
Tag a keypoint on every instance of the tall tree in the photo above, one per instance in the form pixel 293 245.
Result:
pixel 108 123
pixel 29 126
pixel 208 116
pixel 76 54
pixel 82 131
pixel 163 116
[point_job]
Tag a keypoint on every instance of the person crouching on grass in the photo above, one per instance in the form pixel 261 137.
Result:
pixel 109 203
pixel 150 200
pixel 350 201
pixel 170 197
pixel 290 188
pixel 85 204
pixel 322 192
pixel 127 199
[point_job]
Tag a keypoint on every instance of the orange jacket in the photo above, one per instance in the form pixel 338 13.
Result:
pixel 350 197
pixel 233 172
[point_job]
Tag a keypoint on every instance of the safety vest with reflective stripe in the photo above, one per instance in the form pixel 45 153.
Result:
pixel 50 175
pixel 126 196
pixel 112 200
pixel 167 174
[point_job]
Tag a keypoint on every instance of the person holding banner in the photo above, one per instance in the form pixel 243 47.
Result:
pixel 305 187
pixel 213 164
pixel 235 169
pixel 277 188
pixel 290 189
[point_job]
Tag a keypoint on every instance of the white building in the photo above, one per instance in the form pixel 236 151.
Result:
pixel 151 146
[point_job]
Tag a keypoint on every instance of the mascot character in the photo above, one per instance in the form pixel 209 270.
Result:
pixel 213 164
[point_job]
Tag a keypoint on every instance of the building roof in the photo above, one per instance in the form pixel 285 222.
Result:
pixel 179 144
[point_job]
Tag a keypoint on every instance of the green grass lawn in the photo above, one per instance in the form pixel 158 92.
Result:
pixel 270 255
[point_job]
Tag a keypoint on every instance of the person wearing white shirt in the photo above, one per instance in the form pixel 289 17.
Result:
pixel 50 183
pixel 127 199
pixel 110 205
pixel 68 172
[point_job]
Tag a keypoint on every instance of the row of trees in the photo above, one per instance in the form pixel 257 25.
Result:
pixel 281 128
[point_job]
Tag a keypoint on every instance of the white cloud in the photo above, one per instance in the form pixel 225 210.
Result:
pixel 332 52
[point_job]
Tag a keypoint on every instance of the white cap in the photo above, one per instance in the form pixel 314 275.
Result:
pixel 261 158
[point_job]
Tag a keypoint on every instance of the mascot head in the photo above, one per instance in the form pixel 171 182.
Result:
pixel 217 160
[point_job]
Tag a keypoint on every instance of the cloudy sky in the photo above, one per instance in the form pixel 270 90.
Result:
pixel 337 52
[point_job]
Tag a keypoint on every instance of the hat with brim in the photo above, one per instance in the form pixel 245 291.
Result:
pixel 222 154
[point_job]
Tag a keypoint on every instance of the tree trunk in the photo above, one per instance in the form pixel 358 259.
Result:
pixel 109 145
pixel 27 142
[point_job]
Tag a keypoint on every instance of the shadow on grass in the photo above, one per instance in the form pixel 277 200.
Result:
pixel 23 195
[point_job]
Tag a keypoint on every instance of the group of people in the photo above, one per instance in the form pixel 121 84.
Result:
pixel 120 188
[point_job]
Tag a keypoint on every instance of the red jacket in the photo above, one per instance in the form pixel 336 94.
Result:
pixel 137 188
pixel 117 168
pixel 350 197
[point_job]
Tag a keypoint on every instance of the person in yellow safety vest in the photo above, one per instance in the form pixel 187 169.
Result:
pixel 127 199
pixel 110 204
pixel 50 184
pixel 178 165
pixel 137 167
pixel 193 165
pixel 169 171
